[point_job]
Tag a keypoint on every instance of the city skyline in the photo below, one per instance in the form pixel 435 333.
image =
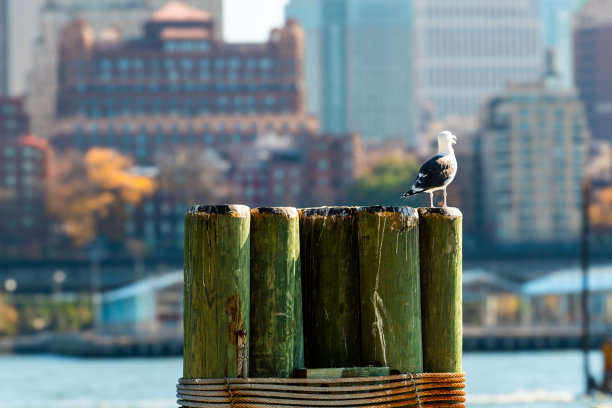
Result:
pixel 243 21
pixel 140 79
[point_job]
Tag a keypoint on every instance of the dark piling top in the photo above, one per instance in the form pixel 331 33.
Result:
pixel 236 210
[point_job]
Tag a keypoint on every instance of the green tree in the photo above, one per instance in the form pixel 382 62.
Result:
pixel 386 182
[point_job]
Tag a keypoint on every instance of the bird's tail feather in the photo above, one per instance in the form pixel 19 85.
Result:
pixel 410 193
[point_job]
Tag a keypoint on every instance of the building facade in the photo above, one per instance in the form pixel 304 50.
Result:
pixel 179 87
pixel 23 172
pixel 4 48
pixel 533 147
pixel 593 64
pixel 468 51
pixel 106 19
pixel 268 161
pixel 358 65
pixel 179 68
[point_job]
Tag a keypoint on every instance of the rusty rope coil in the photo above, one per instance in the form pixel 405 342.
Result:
pixel 427 390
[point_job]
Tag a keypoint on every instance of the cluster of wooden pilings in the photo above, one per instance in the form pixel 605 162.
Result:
pixel 283 289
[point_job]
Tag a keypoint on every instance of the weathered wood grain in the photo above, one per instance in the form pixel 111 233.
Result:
pixel 330 274
pixel 216 299
pixel 440 258
pixel 276 326
pixel 390 288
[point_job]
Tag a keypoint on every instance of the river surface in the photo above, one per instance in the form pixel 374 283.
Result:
pixel 508 380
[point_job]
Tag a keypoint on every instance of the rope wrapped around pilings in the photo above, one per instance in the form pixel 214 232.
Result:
pixel 431 390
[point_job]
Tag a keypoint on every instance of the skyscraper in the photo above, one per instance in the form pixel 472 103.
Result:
pixel 593 64
pixel 468 50
pixel 533 149
pixel 104 17
pixel 4 48
pixel 557 16
pixel 359 65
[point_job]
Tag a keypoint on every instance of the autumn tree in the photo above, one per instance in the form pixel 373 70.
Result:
pixel 600 210
pixel 87 194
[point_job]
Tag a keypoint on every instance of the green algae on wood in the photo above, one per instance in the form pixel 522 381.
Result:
pixel 330 274
pixel 440 258
pixel 390 288
pixel 276 327
pixel 342 372
pixel 216 299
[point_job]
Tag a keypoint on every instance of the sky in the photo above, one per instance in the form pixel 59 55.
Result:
pixel 252 20
pixel 244 21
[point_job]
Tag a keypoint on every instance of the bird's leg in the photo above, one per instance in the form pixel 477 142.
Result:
pixel 431 198
pixel 444 196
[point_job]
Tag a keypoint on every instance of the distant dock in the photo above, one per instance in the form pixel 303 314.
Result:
pixel 91 345
pixel 530 338
pixel 474 339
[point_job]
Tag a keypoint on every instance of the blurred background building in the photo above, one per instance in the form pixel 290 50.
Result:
pixel 179 86
pixel 533 147
pixel 592 36
pixel 358 66
pixel 23 174
pixel 4 48
pixel 558 19
pixel 106 19
pixel 468 50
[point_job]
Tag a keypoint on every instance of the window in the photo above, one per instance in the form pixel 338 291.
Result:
pixel 279 174
pixel 9 151
pixel 10 180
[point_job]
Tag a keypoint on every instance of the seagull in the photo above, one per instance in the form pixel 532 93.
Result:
pixel 439 171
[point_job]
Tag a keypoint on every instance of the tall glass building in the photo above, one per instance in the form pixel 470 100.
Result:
pixel 557 17
pixel 468 50
pixel 358 70
pixel 593 64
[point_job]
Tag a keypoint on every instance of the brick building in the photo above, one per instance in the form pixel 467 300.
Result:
pixel 23 171
pixel 271 160
pixel 179 86
pixel 179 68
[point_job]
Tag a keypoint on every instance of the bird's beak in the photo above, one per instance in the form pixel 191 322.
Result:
pixel 454 139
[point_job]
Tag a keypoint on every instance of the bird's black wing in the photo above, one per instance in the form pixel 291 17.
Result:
pixel 432 174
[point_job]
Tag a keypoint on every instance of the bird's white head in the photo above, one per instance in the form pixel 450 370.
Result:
pixel 445 142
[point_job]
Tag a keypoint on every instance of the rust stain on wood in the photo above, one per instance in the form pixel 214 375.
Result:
pixel 233 311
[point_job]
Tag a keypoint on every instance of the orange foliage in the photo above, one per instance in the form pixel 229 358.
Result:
pixel 109 170
pixel 84 191
pixel 600 211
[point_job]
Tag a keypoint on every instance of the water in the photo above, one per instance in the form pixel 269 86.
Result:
pixel 536 380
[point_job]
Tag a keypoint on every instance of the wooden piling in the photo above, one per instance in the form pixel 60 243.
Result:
pixel 440 259
pixel 390 288
pixel 330 274
pixel 216 290
pixel 276 326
